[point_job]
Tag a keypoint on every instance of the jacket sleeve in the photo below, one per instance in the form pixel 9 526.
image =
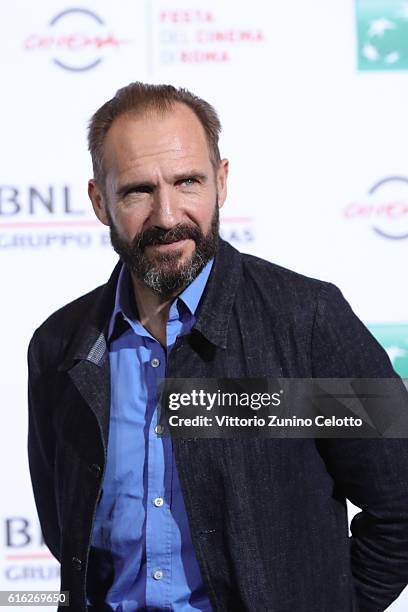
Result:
pixel 371 473
pixel 41 450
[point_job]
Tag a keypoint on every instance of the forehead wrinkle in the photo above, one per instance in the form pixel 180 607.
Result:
pixel 134 158
pixel 180 163
pixel 138 158
pixel 164 145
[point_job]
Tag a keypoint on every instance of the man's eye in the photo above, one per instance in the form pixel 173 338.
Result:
pixel 188 182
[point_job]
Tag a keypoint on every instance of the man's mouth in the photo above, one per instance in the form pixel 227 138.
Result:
pixel 171 245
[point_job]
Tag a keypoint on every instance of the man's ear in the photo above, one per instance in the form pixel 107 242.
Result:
pixel 222 175
pixel 98 201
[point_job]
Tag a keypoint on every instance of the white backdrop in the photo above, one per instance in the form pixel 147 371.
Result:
pixel 313 105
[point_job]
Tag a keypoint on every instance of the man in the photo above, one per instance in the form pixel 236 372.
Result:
pixel 139 521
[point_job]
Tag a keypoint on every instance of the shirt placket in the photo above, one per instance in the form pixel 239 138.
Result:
pixel 158 518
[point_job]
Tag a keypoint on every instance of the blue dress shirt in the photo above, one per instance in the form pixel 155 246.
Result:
pixel 141 543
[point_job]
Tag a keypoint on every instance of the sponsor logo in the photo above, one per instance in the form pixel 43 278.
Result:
pixel 382 32
pixel 196 37
pixel 35 217
pixel 394 339
pixel 76 38
pixel 26 555
pixel 385 209
pixel 39 202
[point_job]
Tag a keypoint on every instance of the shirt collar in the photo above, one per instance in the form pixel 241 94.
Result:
pixel 190 296
pixel 193 292
pixel 226 281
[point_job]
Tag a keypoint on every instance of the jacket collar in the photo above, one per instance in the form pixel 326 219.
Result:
pixel 215 308
pixel 213 312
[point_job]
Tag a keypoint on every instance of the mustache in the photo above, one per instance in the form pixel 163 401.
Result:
pixel 156 235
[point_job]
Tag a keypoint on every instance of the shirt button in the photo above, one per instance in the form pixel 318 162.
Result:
pixel 157 574
pixel 159 429
pixel 155 362
pixel 158 502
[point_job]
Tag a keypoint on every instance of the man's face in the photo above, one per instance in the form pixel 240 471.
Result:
pixel 161 196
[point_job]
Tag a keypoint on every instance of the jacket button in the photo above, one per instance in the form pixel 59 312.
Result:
pixel 76 563
pixel 95 470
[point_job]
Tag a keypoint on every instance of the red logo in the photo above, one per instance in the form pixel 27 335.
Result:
pixel 77 38
pixel 386 208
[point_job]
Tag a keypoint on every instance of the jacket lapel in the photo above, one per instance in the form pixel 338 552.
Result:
pixel 92 379
pixel 87 362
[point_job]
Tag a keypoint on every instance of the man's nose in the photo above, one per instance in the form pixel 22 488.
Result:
pixel 165 209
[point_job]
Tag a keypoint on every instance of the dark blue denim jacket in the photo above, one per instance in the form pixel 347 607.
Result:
pixel 267 516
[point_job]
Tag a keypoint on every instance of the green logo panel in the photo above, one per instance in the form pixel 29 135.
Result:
pixel 394 338
pixel 382 33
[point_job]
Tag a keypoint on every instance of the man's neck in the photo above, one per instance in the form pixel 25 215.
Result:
pixel 152 310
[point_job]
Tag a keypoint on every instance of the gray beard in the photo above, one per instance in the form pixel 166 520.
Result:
pixel 163 274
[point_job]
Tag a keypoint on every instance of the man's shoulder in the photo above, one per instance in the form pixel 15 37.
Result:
pixel 71 314
pixel 57 331
pixel 268 276
pixel 273 288
pixel 56 334
pixel 318 315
